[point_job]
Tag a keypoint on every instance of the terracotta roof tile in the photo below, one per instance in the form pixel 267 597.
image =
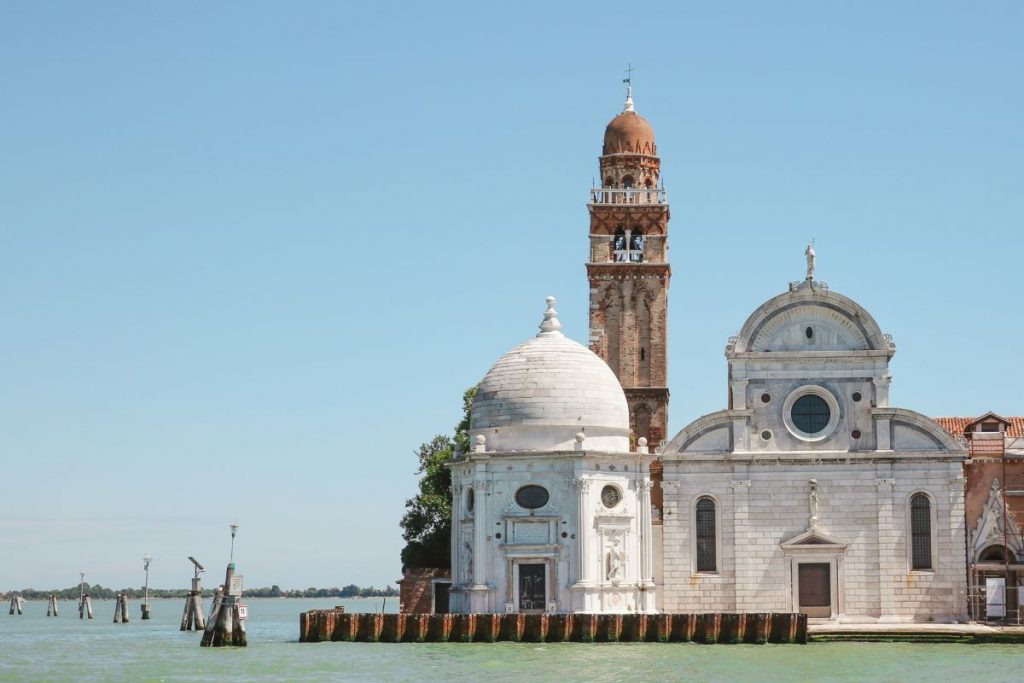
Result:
pixel 957 425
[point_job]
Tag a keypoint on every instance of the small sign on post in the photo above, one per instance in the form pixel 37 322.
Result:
pixel 236 585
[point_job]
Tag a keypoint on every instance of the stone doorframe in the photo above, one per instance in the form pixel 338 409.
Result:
pixel 546 555
pixel 815 547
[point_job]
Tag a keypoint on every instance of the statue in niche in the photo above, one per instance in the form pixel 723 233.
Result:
pixel 467 560
pixel 813 500
pixel 616 559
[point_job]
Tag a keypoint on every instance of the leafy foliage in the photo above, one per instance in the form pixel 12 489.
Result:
pixel 427 522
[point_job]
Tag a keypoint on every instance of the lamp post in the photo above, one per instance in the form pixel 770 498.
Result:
pixel 234 530
pixel 146 559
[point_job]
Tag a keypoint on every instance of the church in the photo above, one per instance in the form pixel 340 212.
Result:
pixel 808 492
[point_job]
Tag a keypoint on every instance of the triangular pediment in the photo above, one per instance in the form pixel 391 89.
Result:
pixel 813 539
pixel 996 526
pixel 987 417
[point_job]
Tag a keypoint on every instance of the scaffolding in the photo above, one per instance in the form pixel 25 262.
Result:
pixel 995 576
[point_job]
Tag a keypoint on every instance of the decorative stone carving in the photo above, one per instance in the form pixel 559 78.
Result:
pixel 615 561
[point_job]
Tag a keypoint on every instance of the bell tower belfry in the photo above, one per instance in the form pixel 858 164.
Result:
pixel 628 270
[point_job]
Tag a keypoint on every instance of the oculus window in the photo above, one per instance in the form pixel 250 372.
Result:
pixel 610 496
pixel 532 497
pixel 811 414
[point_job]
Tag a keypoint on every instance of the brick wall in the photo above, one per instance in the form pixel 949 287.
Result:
pixel 416 589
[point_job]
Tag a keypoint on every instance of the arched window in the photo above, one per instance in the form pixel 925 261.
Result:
pixel 921 532
pixel 636 246
pixel 706 538
pixel 620 245
pixel 627 182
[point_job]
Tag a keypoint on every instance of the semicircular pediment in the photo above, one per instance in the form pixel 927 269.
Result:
pixel 830 330
pixel 810 319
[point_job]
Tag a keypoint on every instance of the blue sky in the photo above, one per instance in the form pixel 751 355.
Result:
pixel 252 253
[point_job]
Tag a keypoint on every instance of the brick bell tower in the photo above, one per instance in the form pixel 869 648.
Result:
pixel 628 270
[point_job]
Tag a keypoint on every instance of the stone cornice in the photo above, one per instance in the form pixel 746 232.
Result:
pixel 868 356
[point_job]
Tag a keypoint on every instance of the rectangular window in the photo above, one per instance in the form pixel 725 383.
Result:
pixel 706 551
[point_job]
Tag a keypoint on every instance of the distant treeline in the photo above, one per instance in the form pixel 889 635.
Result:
pixel 98 592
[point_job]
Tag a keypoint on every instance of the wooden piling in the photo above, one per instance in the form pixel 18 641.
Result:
pixel 684 627
pixel 488 628
pixel 708 625
pixel 758 628
pixel 192 618
pixel 661 630
pixel 440 628
pixel 559 628
pixel 370 627
pixel 121 609
pixel 512 626
pixel 584 628
pixel 463 628
pixel 51 606
pixel 323 625
pixel 85 607
pixel 536 630
pixel 609 627
pixel 394 628
pixel 17 602
pixel 226 625
pixel 416 627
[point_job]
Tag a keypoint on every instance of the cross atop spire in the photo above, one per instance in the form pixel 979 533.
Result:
pixel 628 80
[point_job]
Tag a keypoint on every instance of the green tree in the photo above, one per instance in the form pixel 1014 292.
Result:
pixel 427 522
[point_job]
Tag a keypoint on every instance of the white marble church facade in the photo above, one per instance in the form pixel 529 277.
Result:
pixel 551 512
pixel 810 492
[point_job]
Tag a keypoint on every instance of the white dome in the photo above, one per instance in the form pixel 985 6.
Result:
pixel 542 393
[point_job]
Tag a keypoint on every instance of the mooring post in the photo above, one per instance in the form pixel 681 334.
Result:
pixel 121 609
pixel 16 603
pixel 193 615
pixel 51 606
pixel 146 559
pixel 84 602
pixel 226 625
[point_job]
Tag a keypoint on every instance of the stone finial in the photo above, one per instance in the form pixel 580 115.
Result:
pixel 481 443
pixel 641 445
pixel 580 437
pixel 551 325
pixel 628 80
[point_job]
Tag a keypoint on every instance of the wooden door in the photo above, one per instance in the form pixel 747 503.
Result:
pixel 532 594
pixel 815 589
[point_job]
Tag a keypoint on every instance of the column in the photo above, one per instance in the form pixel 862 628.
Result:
pixel 583 531
pixel 481 522
pixel 889 549
pixel 745 592
pixel 646 531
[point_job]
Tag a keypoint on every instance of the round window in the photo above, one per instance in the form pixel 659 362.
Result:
pixel 611 496
pixel 532 497
pixel 811 414
pixel 856 396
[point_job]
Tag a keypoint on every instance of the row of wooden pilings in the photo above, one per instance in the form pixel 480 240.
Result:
pixel 762 627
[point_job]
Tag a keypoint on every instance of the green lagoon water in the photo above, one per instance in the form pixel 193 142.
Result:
pixel 36 648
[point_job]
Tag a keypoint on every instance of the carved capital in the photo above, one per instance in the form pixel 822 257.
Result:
pixel 882 483
pixel 741 484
